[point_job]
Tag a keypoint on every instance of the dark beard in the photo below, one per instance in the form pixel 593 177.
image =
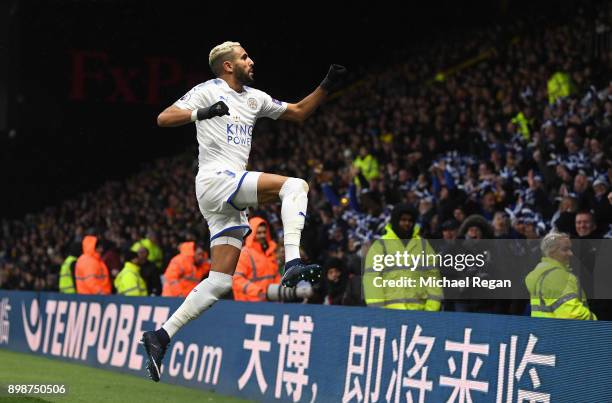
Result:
pixel 244 78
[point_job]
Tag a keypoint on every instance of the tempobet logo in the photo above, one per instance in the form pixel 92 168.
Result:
pixel 33 337
pixel 193 361
pixel 89 331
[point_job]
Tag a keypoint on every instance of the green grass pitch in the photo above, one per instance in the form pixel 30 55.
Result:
pixel 87 384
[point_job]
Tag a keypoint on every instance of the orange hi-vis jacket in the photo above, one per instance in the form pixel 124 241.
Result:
pixel 90 272
pixel 256 269
pixel 182 274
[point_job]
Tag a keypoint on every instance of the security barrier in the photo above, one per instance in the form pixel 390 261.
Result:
pixel 292 352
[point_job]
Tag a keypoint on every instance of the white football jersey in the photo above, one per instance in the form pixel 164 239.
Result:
pixel 225 141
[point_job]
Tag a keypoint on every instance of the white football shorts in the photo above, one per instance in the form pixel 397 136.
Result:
pixel 223 197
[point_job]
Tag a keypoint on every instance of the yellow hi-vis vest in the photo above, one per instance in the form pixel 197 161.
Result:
pixel 368 166
pixel 555 292
pixel 129 282
pixel 66 284
pixel 155 253
pixel 523 125
pixel 401 287
pixel 559 85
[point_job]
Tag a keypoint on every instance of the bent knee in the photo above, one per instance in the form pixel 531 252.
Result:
pixel 295 185
pixel 303 184
pixel 233 238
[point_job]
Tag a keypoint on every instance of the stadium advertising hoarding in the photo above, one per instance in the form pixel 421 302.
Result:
pixel 294 352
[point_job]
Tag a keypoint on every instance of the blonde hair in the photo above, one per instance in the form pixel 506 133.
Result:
pixel 549 242
pixel 220 54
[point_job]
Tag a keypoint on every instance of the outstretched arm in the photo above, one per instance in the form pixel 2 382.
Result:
pixel 302 110
pixel 174 116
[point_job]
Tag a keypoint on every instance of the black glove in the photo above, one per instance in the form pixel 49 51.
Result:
pixel 218 109
pixel 333 79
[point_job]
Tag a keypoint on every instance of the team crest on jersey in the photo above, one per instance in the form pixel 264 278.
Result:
pixel 236 118
pixel 252 103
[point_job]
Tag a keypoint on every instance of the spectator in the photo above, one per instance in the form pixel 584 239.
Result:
pixel 586 250
pixel 332 288
pixel 565 217
pixel 402 235
pixel 554 290
pixel 258 266
pixel 150 243
pixel 501 225
pixel 559 85
pixel 585 225
pixel 474 230
pixel 583 191
pixel 67 279
pixel 449 229
pixel 601 206
pixel 353 294
pixel 129 282
pixel 91 274
pixel 11 277
pixel 185 270
pixel 367 164
pixel 149 272
pixel 111 258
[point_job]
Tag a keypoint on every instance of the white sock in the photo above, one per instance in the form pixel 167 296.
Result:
pixel 294 197
pixel 292 252
pixel 202 297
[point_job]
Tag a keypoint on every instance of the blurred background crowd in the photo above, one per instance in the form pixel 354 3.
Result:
pixel 506 128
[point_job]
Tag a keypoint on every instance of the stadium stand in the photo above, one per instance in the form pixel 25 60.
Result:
pixel 511 124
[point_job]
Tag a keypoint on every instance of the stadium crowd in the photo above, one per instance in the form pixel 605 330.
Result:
pixel 517 143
